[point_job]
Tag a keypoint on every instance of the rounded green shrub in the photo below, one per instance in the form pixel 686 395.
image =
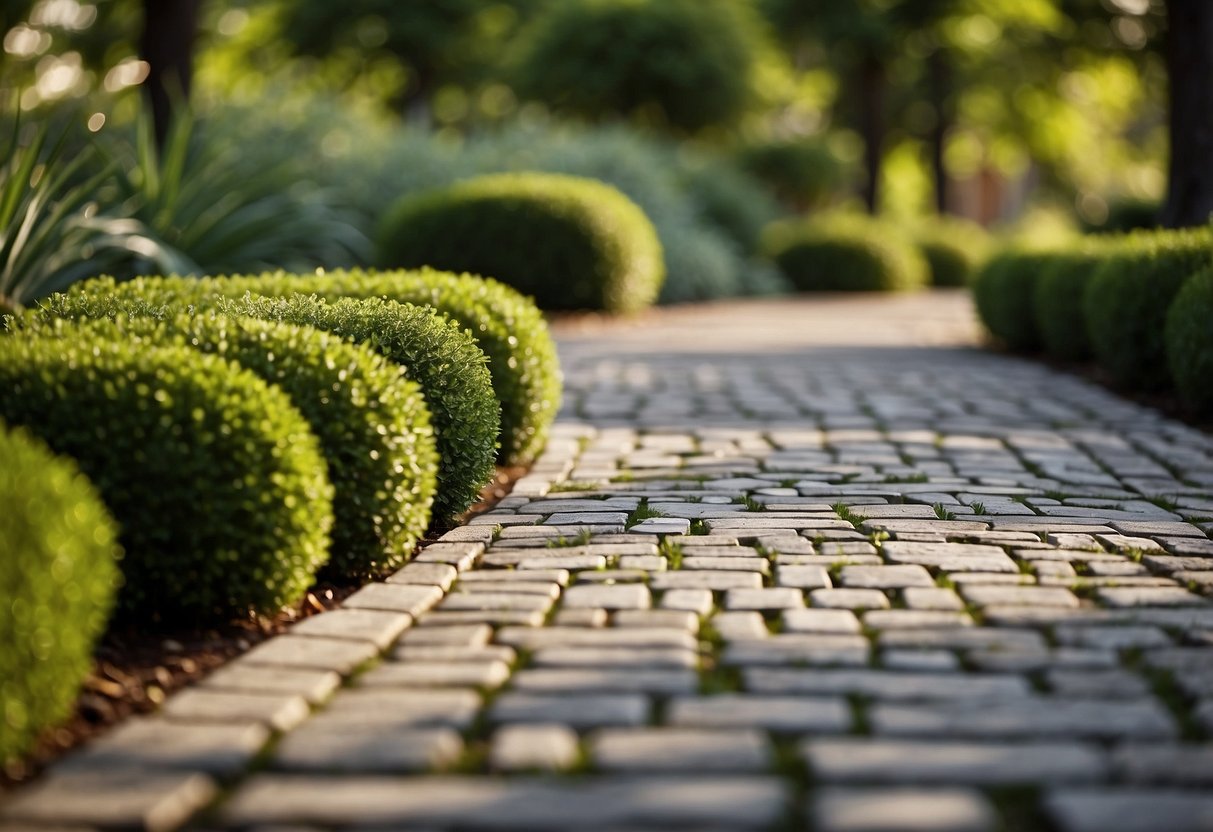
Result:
pixel 216 480
pixel 570 243
pixel 436 353
pixel 1189 340
pixel 803 173
pixel 1003 292
pixel 844 254
pixel 58 570
pixel 1125 303
pixel 687 64
pixel 1058 298
pixel 372 423
pixel 954 248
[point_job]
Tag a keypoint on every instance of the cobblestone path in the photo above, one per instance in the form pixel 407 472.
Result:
pixel 785 565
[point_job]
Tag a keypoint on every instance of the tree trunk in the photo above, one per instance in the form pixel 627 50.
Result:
pixel 1189 57
pixel 167 44
pixel 872 81
pixel 939 73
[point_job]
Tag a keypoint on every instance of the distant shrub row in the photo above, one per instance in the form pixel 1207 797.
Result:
pixel 1139 304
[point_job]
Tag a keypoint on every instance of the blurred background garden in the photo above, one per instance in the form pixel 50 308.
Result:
pixel 287 128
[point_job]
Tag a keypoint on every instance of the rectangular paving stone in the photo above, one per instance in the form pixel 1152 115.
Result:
pixel 1128 810
pixel 496 602
pixel 496 618
pixel 914 619
pixel 698 802
pixel 1039 596
pixel 1096 684
pixel 678 619
pixel 849 599
pixel 156 745
pixel 798 648
pixel 885 577
pixel 605 679
pixel 1187 765
pixel 697 601
pixel 580 618
pixel 325 747
pixel 962 638
pixel 454 653
pixel 931 598
pixel 743 564
pixel 434 574
pixel 523 585
pixel 780 714
pixel 902 810
pixel 520 748
pixel 734 626
pixel 494 576
pixel 121 798
pixel 574 710
pixel 884 684
pixel 713 580
pixel 410 598
pixel 764 599
pixel 679 750
pixel 803 577
pixel 455 635
pixel 310 652
pixel 437 674
pixel 1026 717
pixel 636 657
pixel 534 639
pixel 279 711
pixel 864 760
pixel 313 685
pixel 570 562
pixel 377 627
pixel 919 660
pixel 446 707
pixel 608 597
pixel 1161 596
pixel 817 620
pixel 951 557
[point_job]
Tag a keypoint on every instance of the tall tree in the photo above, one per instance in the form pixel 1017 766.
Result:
pixel 170 28
pixel 1189 59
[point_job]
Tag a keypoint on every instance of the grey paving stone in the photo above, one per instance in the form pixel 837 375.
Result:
pixel 608 597
pixel 458 635
pixel 818 620
pixel 662 802
pixel 849 599
pixel 951 557
pixel 1096 684
pixel 798 648
pixel 122 798
pixel 1164 764
pixel 494 576
pixel 605 680
pixel 902 810
pixel 733 626
pixel 313 685
pixel 716 562
pixel 574 710
pixel 580 618
pixel 1040 596
pixel 280 711
pixel 311 653
pixel 533 639
pixel 638 657
pixel 441 575
pixel 676 619
pixel 679 750
pixel 495 618
pixel 1122 637
pixel 914 619
pixel 454 653
pixel 885 577
pixel 1129 810
pixel 961 638
pixel 549 747
pixel 495 602
pixel 570 562
pixel 931 598
pixel 780 714
pixel 698 601
pixel 370 747
pixel 704 579
pixel 437 674
pixel 379 628
pixel 522 585
pixel 919 660
pixel 410 598
pixel 763 599
pixel 1025 717
pixel 1148 597
pixel 864 760
pixel 803 577
pixel 645 563
pixel 884 684
pixel 154 744
pixel 441 707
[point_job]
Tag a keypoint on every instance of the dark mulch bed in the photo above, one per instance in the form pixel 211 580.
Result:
pixel 135 671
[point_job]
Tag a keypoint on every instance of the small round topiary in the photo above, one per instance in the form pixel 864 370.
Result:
pixel 1057 298
pixel 1189 339
pixel 844 254
pixel 955 249
pixel 687 64
pixel 436 353
pixel 372 423
pixel 804 173
pixel 1003 292
pixel 1126 301
pixel 58 570
pixel 214 476
pixel 571 243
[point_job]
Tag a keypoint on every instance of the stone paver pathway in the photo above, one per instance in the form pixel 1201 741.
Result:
pixel 785 565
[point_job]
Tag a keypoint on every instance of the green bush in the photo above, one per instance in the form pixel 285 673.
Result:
pixel 803 173
pixel 213 475
pixel 437 354
pixel 1004 292
pixel 845 254
pixel 373 424
pixel 1058 297
pixel 1126 301
pixel 955 249
pixel 1189 337
pixel 58 569
pixel 686 64
pixel 571 243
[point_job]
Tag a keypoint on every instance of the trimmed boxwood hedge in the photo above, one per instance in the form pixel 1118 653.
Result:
pixel 1004 293
pixel 844 254
pixel 434 352
pixel 1189 341
pixel 507 326
pixel 214 476
pixel 571 243
pixel 373 424
pixel 954 248
pixel 1126 301
pixel 58 572
pixel 1057 298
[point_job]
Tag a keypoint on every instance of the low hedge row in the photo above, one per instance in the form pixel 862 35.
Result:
pixel 844 254
pixel 372 423
pixel 954 248
pixel 1120 299
pixel 569 242
pixel 58 568
pixel 215 478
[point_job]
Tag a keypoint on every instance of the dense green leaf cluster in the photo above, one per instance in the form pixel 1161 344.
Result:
pixel 845 254
pixel 803 173
pixel 1058 297
pixel 954 248
pixel 372 423
pixel 214 476
pixel 1004 291
pixel 1125 302
pixel 436 353
pixel 571 243
pixel 58 571
pixel 1189 341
